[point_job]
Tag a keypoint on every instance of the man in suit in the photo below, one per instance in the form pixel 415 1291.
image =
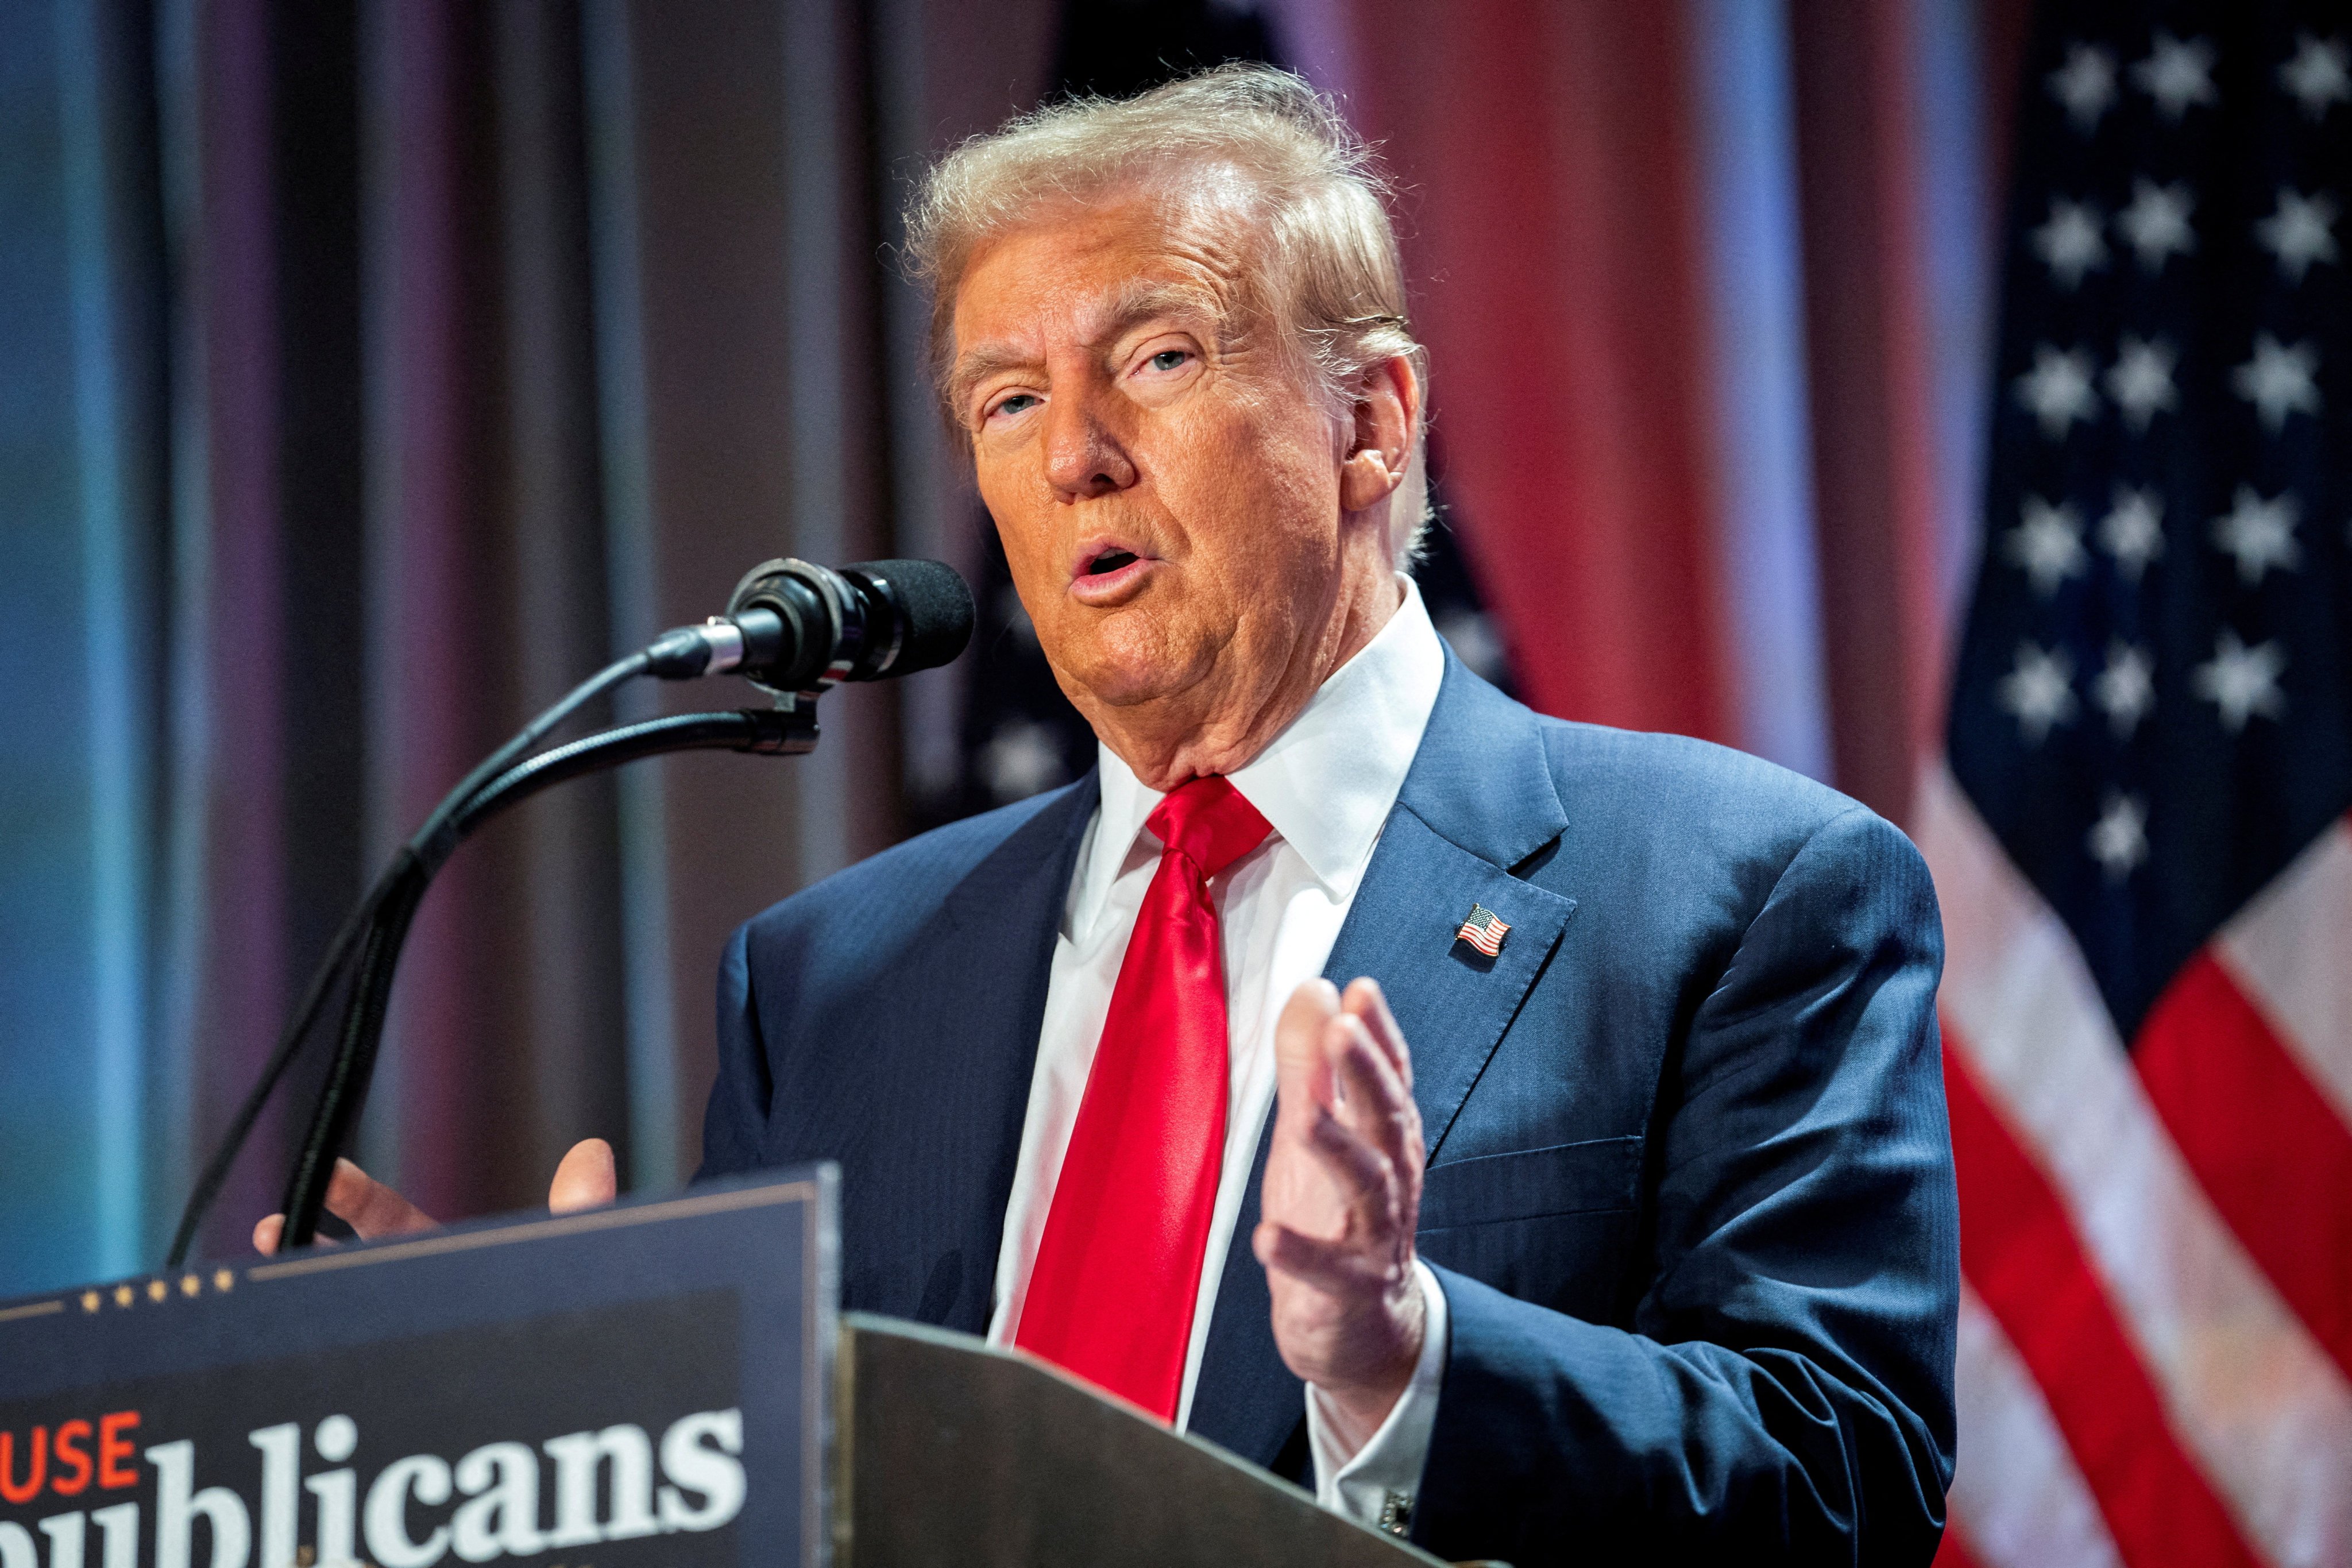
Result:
pixel 1610 1206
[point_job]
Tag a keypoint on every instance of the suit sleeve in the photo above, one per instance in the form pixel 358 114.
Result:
pixel 1784 1391
pixel 735 1122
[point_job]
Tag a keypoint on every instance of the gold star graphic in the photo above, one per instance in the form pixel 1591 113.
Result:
pixel 122 1295
pixel 223 1279
pixel 190 1285
pixel 89 1300
pixel 157 1290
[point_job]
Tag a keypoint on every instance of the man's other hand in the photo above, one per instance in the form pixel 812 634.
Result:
pixel 584 1179
pixel 1342 1197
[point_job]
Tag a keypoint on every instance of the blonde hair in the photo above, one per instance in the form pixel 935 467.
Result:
pixel 1330 259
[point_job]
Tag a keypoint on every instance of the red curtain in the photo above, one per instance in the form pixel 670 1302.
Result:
pixel 1556 227
pixel 1549 223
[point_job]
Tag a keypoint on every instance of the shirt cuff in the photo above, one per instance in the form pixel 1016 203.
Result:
pixel 1377 1484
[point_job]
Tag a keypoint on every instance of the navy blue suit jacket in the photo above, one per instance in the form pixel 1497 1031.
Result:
pixel 1689 1189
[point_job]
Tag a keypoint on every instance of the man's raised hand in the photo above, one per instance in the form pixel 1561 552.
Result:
pixel 1341 1201
pixel 584 1179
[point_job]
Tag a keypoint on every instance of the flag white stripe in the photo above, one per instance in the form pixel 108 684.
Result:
pixel 2288 951
pixel 2017 1491
pixel 2253 1399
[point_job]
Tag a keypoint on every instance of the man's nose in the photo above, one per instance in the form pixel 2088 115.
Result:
pixel 1084 457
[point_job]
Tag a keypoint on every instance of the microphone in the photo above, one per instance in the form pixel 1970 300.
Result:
pixel 793 626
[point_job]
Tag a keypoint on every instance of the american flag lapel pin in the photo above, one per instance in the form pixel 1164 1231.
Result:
pixel 1483 931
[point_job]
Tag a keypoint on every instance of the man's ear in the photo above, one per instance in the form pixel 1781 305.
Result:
pixel 1384 416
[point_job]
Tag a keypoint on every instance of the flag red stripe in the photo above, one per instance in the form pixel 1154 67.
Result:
pixel 2020 1251
pixel 2267 1148
pixel 1954 1552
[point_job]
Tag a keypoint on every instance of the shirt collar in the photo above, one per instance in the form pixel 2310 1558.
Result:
pixel 1326 783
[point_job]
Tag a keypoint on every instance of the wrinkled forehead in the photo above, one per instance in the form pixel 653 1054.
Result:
pixel 1091 265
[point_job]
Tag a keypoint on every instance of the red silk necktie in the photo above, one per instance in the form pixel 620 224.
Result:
pixel 1119 1266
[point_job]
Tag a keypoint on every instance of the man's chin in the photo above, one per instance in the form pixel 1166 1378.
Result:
pixel 1127 680
pixel 1119 659
pixel 1128 690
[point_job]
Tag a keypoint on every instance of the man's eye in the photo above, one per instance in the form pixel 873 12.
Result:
pixel 1168 359
pixel 1017 404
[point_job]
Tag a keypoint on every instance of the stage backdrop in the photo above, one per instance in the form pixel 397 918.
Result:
pixel 369 374
pixel 374 372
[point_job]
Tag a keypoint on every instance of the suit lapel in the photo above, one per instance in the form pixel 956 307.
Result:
pixel 1452 1003
pixel 943 1173
pixel 1479 800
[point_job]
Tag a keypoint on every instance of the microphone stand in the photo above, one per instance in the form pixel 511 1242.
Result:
pixel 767 732
pixel 378 927
pixel 792 628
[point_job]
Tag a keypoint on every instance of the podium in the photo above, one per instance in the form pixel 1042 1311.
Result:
pixel 952 1452
pixel 661 1383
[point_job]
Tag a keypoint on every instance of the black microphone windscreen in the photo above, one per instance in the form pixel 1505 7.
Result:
pixel 938 607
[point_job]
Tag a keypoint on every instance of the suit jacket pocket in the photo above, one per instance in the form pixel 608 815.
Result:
pixel 1528 1184
pixel 1549 1226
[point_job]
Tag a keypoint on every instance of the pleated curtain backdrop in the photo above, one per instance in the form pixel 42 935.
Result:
pixel 597 337
pixel 389 367
pixel 477 343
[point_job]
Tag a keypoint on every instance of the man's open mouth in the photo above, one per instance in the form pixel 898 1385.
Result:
pixel 1109 562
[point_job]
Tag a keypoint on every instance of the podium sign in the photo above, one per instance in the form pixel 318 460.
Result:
pixel 648 1385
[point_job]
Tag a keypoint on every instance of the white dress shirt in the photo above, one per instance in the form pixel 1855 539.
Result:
pixel 1325 784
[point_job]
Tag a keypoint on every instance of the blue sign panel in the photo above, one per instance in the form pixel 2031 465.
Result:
pixel 646 1385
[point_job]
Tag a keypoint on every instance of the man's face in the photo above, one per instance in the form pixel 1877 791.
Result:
pixel 1166 482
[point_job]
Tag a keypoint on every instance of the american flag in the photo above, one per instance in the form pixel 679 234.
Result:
pixel 1483 931
pixel 2140 838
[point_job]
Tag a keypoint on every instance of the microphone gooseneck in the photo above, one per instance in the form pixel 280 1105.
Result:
pixel 792 628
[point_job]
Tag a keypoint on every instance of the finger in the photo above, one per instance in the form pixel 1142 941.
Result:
pixel 1367 1078
pixel 1302 1077
pixel 1365 1000
pixel 1375 1102
pixel 585 1178
pixel 370 1207
pixel 1328 1266
pixel 1366 1178
pixel 271 1231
